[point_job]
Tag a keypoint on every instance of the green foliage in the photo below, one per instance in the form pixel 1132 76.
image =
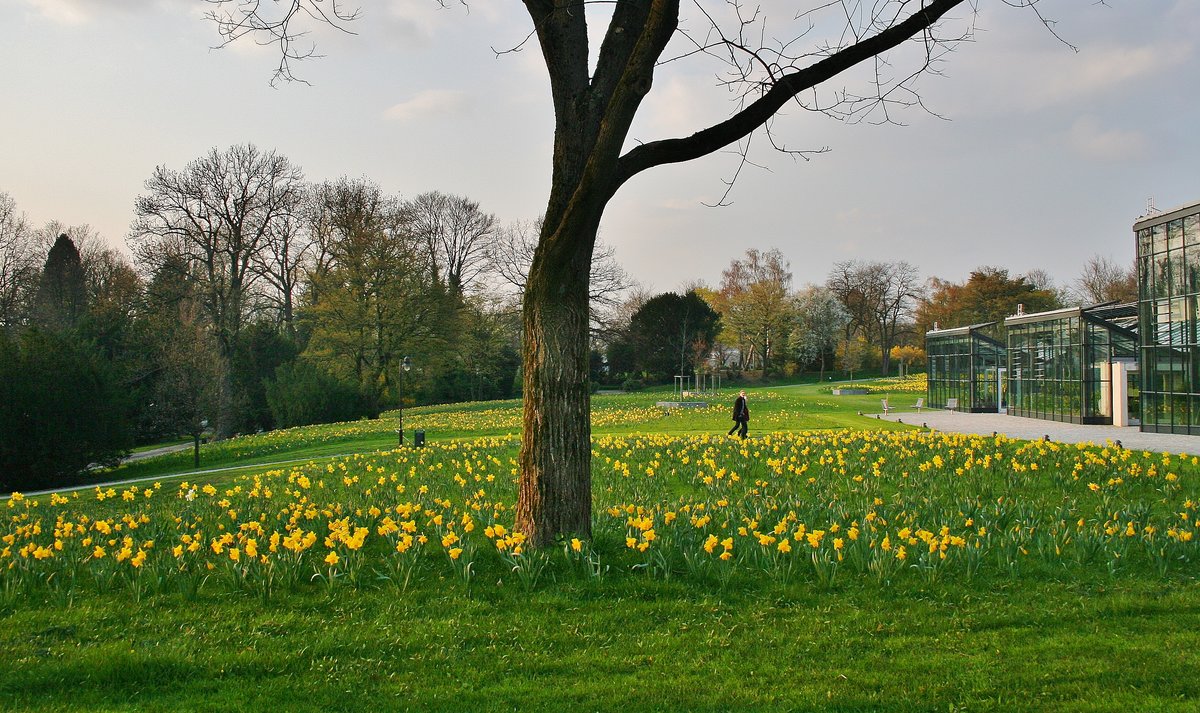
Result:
pixel 302 393
pixel 491 380
pixel 670 334
pixel 621 357
pixel 261 351
pixel 62 292
pixel 988 295
pixel 756 311
pixel 61 409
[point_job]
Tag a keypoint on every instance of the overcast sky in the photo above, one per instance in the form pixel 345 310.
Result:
pixel 1045 156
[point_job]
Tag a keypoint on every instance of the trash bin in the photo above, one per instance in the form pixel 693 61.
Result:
pixel 418 439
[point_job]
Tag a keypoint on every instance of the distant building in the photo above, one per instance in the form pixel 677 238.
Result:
pixel 1119 364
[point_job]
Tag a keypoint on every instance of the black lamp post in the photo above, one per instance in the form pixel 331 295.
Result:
pixel 196 436
pixel 405 365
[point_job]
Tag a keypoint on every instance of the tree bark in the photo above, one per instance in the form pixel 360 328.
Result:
pixel 555 493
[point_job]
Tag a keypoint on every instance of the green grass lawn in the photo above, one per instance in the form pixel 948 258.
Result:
pixel 922 573
pixel 783 408
pixel 638 644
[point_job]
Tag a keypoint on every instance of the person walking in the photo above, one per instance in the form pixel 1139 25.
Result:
pixel 741 415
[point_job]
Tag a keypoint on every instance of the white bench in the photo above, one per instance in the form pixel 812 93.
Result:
pixel 920 404
pixel 886 407
pixel 951 404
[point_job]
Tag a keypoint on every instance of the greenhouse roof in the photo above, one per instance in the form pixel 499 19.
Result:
pixel 1119 316
pixel 1147 221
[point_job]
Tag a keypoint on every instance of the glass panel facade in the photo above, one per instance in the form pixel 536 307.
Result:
pixel 1044 362
pixel 1168 264
pixel 964 364
pixel 1060 367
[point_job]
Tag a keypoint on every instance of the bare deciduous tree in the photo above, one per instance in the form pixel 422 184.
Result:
pixel 880 297
pixel 219 213
pixel 1103 280
pixel 19 264
pixel 458 234
pixel 512 254
pixel 281 263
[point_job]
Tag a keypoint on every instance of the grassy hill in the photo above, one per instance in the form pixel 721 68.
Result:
pixel 818 566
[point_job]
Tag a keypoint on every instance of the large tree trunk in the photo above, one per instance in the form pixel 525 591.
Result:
pixel 555 494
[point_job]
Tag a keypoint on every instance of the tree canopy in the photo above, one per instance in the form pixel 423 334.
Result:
pixel 988 295
pixel 671 333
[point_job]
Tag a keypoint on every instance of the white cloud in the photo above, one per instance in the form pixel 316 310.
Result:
pixel 1090 140
pixel 80 12
pixel 434 102
pixel 66 12
pixel 1023 79
pixel 1102 70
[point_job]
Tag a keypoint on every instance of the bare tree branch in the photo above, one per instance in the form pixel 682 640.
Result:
pixel 271 24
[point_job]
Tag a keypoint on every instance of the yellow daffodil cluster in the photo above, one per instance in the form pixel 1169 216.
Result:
pixel 810 504
pixel 911 384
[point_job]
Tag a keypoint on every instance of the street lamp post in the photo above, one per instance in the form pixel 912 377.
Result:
pixel 405 365
pixel 196 436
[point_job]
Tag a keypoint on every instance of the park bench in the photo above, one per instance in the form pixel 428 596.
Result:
pixel 951 404
pixel 920 404
pixel 886 407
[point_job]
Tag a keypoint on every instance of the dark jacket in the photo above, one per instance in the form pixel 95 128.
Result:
pixel 741 412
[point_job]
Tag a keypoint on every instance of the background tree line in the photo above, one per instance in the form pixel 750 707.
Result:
pixel 869 315
pixel 256 299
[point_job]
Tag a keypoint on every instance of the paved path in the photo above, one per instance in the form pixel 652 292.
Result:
pixel 157 452
pixel 177 476
pixel 1035 428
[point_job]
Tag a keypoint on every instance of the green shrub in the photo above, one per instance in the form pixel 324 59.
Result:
pixel 62 409
pixel 302 393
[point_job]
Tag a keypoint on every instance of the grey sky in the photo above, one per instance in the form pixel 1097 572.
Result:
pixel 1047 157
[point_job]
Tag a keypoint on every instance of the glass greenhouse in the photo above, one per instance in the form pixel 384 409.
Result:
pixel 966 368
pixel 1168 266
pixel 1060 363
pixel 1120 364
